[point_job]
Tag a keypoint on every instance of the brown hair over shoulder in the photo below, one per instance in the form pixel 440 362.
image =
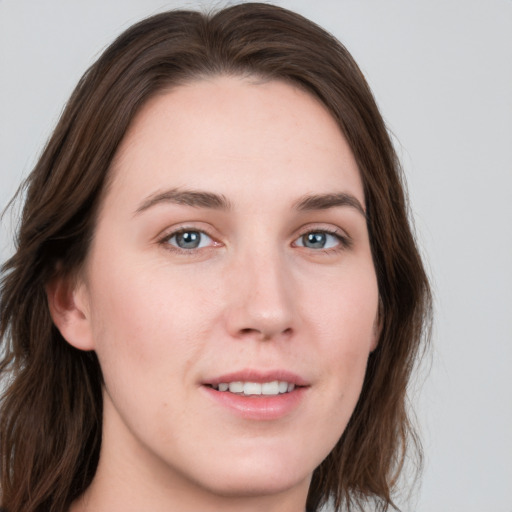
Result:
pixel 51 407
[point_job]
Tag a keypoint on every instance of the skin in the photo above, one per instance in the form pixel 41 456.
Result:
pixel 253 295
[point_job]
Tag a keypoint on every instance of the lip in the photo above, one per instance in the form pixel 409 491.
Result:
pixel 251 375
pixel 258 407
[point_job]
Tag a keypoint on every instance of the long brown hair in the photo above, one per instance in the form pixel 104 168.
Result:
pixel 51 408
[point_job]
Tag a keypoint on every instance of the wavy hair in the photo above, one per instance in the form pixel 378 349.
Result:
pixel 51 405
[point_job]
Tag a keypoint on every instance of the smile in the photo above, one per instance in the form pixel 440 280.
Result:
pixel 272 388
pixel 258 395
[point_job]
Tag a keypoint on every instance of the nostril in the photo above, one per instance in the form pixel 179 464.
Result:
pixel 249 330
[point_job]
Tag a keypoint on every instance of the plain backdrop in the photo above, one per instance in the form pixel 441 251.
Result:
pixel 441 72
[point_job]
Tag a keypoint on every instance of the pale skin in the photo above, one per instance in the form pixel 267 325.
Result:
pixel 232 238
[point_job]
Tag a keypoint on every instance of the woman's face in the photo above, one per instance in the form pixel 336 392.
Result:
pixel 231 251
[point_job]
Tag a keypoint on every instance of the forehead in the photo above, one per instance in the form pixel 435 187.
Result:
pixel 236 134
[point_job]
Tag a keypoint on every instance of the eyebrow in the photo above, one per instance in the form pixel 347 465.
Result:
pixel 194 198
pixel 211 200
pixel 325 201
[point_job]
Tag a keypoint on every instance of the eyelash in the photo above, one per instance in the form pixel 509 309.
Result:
pixel 165 241
pixel 344 241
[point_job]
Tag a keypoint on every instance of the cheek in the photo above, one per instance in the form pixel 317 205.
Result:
pixel 346 313
pixel 144 315
pixel 145 344
pixel 346 326
pixel 124 317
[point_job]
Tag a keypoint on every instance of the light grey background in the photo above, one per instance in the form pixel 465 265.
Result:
pixel 441 71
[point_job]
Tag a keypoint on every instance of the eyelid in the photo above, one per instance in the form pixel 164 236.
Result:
pixel 169 233
pixel 345 241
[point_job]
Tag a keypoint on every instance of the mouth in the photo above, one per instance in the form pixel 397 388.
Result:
pixel 255 395
pixel 248 388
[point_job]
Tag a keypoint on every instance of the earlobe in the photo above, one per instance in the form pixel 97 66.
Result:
pixel 377 327
pixel 375 337
pixel 69 310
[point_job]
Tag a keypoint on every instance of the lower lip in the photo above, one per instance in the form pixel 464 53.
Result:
pixel 259 407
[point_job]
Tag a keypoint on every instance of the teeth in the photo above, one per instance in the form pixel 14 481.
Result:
pixel 252 388
pixel 255 388
pixel 236 387
pixel 270 388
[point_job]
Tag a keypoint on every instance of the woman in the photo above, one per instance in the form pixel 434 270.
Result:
pixel 216 300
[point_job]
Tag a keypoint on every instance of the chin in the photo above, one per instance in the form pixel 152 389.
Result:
pixel 262 474
pixel 256 484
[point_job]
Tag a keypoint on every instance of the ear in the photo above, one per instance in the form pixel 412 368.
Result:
pixel 377 327
pixel 68 304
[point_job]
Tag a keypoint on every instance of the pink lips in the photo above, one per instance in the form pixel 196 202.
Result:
pixel 258 407
pixel 258 376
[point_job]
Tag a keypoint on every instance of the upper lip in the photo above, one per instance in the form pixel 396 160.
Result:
pixel 254 375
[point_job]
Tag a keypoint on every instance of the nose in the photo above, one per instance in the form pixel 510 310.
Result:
pixel 261 298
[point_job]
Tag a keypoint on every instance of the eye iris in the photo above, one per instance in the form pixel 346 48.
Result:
pixel 188 239
pixel 315 240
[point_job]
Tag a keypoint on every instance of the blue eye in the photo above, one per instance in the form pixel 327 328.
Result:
pixel 318 240
pixel 190 239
